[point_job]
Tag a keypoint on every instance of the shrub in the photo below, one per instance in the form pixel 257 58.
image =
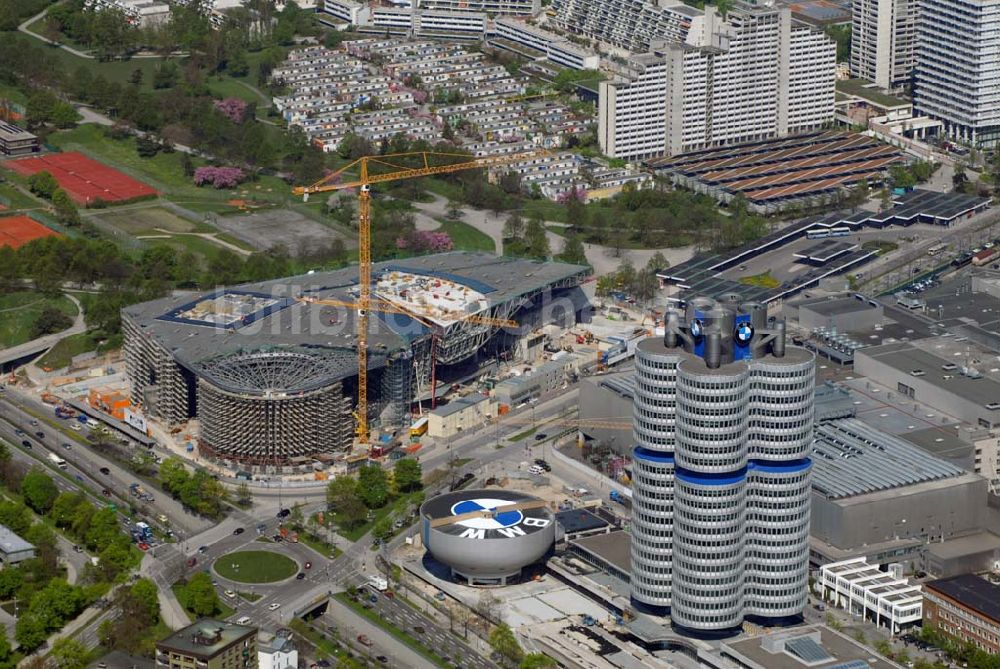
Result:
pixel 220 177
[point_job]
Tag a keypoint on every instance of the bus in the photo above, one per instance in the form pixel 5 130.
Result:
pixel 57 461
pixel 821 233
pixel 936 249
pixel 419 428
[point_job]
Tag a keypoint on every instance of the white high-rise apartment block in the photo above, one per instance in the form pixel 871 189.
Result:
pixel 883 36
pixel 757 74
pixel 957 74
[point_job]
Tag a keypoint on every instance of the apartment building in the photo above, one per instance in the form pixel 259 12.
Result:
pixel 956 77
pixel 883 36
pixel 965 607
pixel 555 47
pixel 142 13
pixel 492 7
pixel 759 74
pixel 348 11
pixel 209 644
pixel 629 24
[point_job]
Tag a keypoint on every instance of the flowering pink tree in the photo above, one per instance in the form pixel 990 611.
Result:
pixel 425 241
pixel 220 177
pixel 577 193
pixel 234 109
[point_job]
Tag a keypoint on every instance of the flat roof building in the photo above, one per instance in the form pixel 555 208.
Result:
pixel 209 644
pixel 14 549
pixel 966 608
pixel 464 413
pixel 866 591
pixel 15 141
pixel 813 647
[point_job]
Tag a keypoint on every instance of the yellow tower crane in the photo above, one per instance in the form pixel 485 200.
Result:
pixel 361 174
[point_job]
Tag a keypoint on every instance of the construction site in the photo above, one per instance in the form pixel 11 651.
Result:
pixel 265 376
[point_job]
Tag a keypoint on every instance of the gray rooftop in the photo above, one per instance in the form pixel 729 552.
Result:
pixel 206 638
pixel 11 132
pixel 458 405
pixel 836 306
pixel 907 358
pixel 838 647
pixel 614 548
pixel 329 331
pixel 11 543
pixel 850 458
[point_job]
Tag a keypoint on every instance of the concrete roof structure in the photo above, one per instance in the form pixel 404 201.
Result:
pixel 205 638
pixel 850 458
pixel 614 548
pixel 279 321
pixel 773 651
pixel 11 543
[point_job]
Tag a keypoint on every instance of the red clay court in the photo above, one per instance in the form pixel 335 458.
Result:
pixel 85 180
pixel 16 231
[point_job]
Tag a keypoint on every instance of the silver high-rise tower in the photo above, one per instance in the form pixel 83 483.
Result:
pixel 722 424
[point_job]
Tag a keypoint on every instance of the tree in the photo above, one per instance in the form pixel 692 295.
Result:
pixel 373 486
pixel 625 274
pixel 503 641
pixel 43 184
pixel 295 518
pixel 103 529
pixel 454 210
pixel 65 208
pixel 237 64
pixel 883 647
pixel 573 251
pixel 64 115
pixel 50 321
pixel 407 475
pixel 39 491
pixel 70 653
pixel 145 593
pixel 657 262
pixel 351 513
pixel 535 239
pixel 382 530
pixel 166 75
pixel 202 599
pixel 538 661
pixel 64 508
pixel 243 495
pixel 342 487
pixel 173 473
pixel 513 227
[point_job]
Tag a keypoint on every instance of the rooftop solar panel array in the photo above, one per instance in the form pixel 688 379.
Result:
pixel 807 650
pixel 787 167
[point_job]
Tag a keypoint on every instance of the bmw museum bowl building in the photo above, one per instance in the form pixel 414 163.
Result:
pixel 487 536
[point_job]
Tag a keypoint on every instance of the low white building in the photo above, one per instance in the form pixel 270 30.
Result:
pixel 277 653
pixel 555 47
pixel 882 597
pixel 141 13
pixel 14 549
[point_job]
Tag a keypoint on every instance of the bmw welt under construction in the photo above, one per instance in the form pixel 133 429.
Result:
pixel 270 369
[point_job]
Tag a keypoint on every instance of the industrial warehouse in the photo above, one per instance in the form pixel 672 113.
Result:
pixel 270 369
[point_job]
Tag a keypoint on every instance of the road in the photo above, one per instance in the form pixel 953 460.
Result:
pixel 46 342
pixel 87 463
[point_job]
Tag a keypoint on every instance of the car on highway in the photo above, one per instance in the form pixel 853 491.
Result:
pixel 274 606
pixel 75 427
pixel 284 513
pixel 540 436
pixel 301 575
pixel 202 549
pixel 162 518
pixel 34 422
pixel 364 640
pixel 238 530
pixel 67 445
pixel 77 548
pixel 229 593
pixel 40 434
pixel 105 471
pixel 308 565
pixel 192 561
pixel 26 444
pixel 143 546
pixel 382 659
pixel 19 432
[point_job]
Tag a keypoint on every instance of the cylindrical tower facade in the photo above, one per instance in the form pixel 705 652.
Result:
pixel 723 429
pixel 654 408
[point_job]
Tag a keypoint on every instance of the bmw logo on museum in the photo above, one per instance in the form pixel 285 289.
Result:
pixel 487 536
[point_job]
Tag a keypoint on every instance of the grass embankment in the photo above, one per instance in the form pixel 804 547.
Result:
pixel 397 506
pixel 881 245
pixel 409 641
pixel 255 567
pixel 20 310
pixel 763 280
pixel 467 238
pixel 62 353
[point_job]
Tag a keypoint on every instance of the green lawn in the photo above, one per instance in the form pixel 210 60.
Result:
pixel 398 505
pixel 467 238
pixel 117 70
pixel 255 567
pixel 317 544
pixel 250 596
pixel 163 171
pixel 18 312
pixel 524 435
pixel 13 198
pixel 62 353
pixel 233 88
pixel 883 246
pixel 12 93
pixel 410 641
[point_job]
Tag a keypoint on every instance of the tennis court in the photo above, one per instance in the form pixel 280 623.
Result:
pixel 85 180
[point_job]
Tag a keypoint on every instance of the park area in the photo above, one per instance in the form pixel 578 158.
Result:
pixel 255 567
pixel 20 311
pixel 16 231
pixel 86 181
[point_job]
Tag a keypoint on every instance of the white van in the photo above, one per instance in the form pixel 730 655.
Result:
pixel 243 620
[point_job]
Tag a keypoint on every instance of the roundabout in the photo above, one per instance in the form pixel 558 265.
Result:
pixel 255 567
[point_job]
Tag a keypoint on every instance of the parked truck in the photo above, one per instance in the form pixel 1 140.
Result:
pixel 142 532
pixel 138 491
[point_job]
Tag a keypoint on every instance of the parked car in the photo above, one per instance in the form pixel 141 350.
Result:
pixel 364 640
pixel 26 444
